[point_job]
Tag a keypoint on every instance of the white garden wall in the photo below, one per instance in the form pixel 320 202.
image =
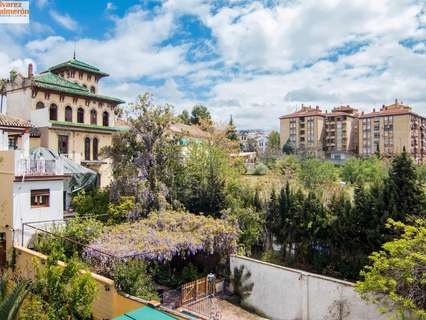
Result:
pixel 288 294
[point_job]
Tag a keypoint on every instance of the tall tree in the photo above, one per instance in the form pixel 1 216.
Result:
pixel 231 131
pixel 144 157
pixel 405 192
pixel 273 146
pixel 288 147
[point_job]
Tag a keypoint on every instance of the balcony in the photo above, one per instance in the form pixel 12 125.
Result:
pixel 39 167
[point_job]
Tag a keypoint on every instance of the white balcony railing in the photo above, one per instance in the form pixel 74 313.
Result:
pixel 39 167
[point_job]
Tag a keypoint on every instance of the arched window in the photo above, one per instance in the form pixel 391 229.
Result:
pixel 93 117
pixel 53 112
pixel 68 114
pixel 80 115
pixel 92 89
pixel 40 105
pixel 95 148
pixel 87 149
pixel 105 119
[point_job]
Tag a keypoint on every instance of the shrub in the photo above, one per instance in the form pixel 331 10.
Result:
pixel 132 277
pixel 91 203
pixel 260 169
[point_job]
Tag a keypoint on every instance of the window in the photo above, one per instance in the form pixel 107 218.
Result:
pixel 63 144
pixel 12 143
pixel 53 112
pixel 95 148
pixel 46 95
pixel 93 117
pixel 39 105
pixel 87 149
pixel 105 119
pixel 68 114
pixel 80 115
pixel 92 89
pixel 40 198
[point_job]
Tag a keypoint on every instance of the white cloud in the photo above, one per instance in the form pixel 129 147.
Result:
pixel 110 6
pixel 41 3
pixel 64 20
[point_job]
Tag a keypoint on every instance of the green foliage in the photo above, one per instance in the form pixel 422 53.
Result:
pixel 240 285
pixel 200 115
pixel 289 148
pixel 260 169
pixel 132 277
pixel 421 173
pixel 288 166
pixel 396 276
pixel 184 117
pixel 206 171
pixel 363 171
pixel 315 173
pixel 11 300
pixel 81 231
pixel 34 308
pixel 145 157
pixel 231 131
pixel 68 293
pixel 120 212
pixel 91 203
pixel 405 194
pixel 273 147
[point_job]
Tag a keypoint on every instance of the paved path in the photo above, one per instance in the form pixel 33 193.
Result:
pixel 227 310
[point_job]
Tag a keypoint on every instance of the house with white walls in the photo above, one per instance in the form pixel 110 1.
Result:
pixel 31 189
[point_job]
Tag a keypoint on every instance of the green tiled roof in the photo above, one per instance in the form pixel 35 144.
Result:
pixel 49 80
pixel 77 64
pixel 83 125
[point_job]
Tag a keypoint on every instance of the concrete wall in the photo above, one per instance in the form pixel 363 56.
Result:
pixel 23 212
pixel 288 294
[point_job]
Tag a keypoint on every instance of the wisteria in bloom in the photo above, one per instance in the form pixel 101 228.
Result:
pixel 162 236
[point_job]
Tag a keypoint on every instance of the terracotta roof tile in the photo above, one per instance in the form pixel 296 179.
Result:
pixel 8 121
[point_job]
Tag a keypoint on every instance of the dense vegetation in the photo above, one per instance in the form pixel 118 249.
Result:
pixel 325 218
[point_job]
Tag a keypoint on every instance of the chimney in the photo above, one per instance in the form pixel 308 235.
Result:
pixel 396 101
pixel 30 70
pixel 374 109
pixel 317 107
pixel 362 113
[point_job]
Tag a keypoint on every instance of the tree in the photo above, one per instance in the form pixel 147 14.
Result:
pixel 288 147
pixel 68 293
pixel 231 131
pixel 11 300
pixel 144 157
pixel 363 171
pixel 273 147
pixel 405 192
pixel 184 117
pixel 396 276
pixel 200 115
pixel 207 168
pixel 315 173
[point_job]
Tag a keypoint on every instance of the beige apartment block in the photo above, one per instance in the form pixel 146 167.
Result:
pixel 72 117
pixel 341 133
pixel 390 130
pixel 344 132
pixel 304 129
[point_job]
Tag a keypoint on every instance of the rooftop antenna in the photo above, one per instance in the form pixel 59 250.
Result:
pixel 74 50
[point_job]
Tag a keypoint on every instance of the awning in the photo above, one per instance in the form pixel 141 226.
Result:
pixel 145 313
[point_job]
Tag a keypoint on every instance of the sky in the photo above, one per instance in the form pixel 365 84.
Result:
pixel 254 60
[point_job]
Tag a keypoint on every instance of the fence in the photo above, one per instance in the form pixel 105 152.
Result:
pixel 289 294
pixel 194 290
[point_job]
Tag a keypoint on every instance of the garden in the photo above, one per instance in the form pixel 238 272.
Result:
pixel 175 212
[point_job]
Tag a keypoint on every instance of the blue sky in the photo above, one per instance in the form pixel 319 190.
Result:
pixel 256 60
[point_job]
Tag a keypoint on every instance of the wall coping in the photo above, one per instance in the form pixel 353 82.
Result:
pixel 298 271
pixel 97 277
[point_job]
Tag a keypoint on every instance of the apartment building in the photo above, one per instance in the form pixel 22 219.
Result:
pixel 390 130
pixel 72 117
pixel 341 133
pixel 304 129
pixel 344 132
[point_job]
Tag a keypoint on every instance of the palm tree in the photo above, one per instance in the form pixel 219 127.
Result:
pixel 11 300
pixel 238 280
